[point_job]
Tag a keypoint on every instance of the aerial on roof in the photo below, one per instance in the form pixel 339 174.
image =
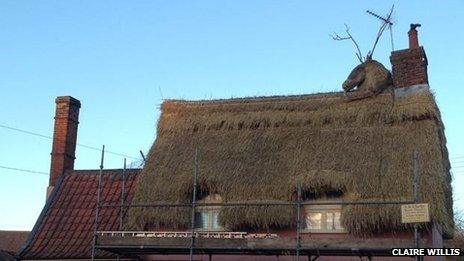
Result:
pixel 65 226
pixel 361 149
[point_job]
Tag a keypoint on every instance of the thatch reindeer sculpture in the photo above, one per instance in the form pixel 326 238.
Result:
pixel 370 77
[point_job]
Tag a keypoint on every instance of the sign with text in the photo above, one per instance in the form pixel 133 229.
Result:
pixel 415 213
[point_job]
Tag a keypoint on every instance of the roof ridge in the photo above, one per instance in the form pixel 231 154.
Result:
pixel 259 98
pixel 84 171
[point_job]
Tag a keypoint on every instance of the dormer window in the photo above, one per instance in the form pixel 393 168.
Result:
pixel 323 219
pixel 207 218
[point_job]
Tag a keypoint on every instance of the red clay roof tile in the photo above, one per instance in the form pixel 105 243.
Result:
pixel 65 226
pixel 11 241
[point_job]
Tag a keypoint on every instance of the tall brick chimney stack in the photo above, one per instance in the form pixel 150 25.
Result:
pixel 64 138
pixel 409 66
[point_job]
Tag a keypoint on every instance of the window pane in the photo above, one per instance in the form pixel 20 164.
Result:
pixel 201 220
pixel 206 219
pixel 338 224
pixel 215 220
pixel 330 221
pixel 198 223
pixel 314 220
pixel 333 220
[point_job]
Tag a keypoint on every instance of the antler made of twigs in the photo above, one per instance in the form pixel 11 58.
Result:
pixel 337 37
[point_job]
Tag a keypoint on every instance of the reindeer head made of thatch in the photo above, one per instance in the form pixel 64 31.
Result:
pixel 370 77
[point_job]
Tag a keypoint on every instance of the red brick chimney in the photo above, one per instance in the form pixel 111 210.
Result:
pixel 409 66
pixel 64 138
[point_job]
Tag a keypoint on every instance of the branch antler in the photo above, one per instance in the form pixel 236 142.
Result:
pixel 337 37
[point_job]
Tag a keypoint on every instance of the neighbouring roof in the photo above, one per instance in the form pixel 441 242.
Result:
pixel 254 149
pixel 65 226
pixel 6 256
pixel 12 240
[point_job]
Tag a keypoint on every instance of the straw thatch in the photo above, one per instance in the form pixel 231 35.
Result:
pixel 255 149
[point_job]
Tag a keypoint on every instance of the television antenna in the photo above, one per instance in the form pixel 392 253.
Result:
pixel 387 22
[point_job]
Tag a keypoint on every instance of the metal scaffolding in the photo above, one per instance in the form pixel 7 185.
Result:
pixel 98 206
pixel 298 203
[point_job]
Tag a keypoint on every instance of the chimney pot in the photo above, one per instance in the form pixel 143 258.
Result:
pixel 413 38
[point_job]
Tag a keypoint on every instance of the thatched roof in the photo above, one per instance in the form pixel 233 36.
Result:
pixel 254 149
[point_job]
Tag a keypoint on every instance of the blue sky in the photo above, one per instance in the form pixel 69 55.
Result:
pixel 121 58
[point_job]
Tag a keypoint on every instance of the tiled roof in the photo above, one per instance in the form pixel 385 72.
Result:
pixel 6 256
pixel 65 226
pixel 11 241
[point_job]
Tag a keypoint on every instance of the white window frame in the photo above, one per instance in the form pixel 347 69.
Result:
pixel 324 210
pixel 210 211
